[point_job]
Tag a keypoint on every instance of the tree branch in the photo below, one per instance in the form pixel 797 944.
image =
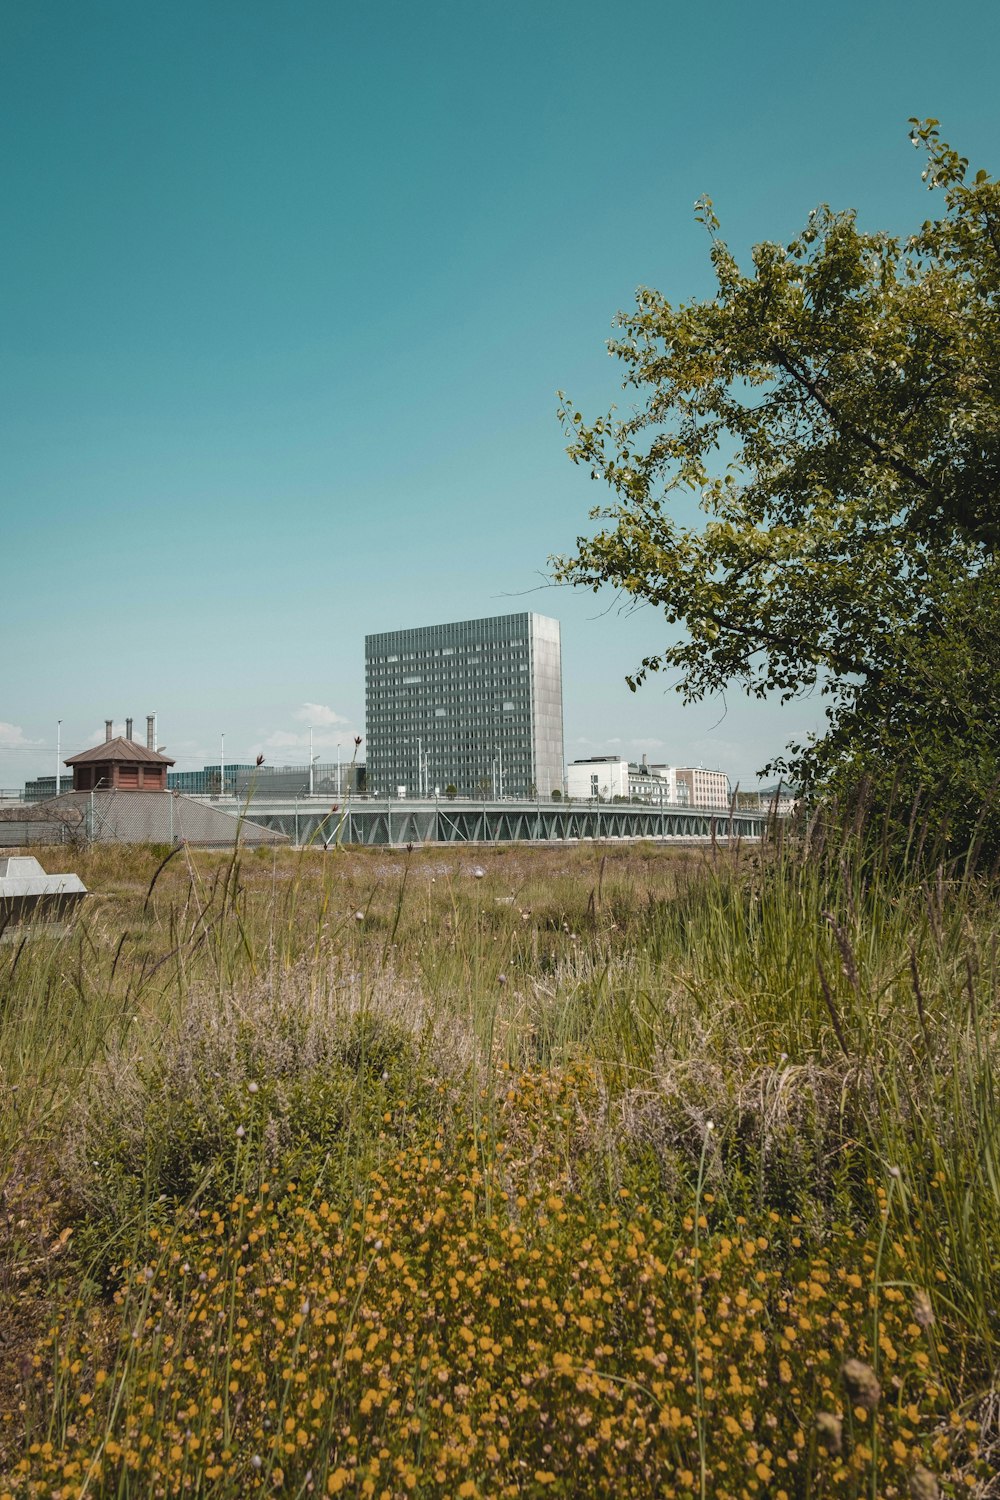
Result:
pixel 848 428
pixel 992 232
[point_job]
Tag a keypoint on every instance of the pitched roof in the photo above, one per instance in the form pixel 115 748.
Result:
pixel 119 749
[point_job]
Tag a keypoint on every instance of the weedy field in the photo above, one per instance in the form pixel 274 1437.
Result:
pixel 514 1171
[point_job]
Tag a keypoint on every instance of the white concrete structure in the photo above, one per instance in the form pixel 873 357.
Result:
pixel 656 785
pixel 25 889
pixel 601 778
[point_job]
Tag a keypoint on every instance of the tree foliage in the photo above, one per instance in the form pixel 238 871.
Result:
pixel 836 412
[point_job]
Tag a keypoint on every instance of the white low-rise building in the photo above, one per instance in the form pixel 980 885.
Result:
pixel 605 778
pixel 599 779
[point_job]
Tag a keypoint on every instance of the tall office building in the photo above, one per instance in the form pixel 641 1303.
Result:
pixel 476 705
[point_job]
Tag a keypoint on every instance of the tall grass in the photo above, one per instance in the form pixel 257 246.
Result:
pixel 795 1047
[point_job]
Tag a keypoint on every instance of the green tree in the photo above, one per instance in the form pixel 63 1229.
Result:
pixel 835 410
pixel 451 791
pixel 921 736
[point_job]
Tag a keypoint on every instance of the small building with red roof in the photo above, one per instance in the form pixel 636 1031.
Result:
pixel 121 763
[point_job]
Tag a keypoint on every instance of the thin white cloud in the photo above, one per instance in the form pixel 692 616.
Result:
pixel 322 740
pixel 96 736
pixel 284 739
pixel 326 730
pixel 13 737
pixel 319 715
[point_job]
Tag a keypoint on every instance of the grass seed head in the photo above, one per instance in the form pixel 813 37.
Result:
pixel 923 1485
pixel 861 1384
pixel 829 1430
pixel 923 1311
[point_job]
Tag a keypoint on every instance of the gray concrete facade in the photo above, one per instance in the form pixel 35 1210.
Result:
pixel 476 704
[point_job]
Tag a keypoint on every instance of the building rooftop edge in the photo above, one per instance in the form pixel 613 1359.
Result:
pixel 519 614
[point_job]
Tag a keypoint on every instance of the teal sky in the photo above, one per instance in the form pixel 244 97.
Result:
pixel 286 293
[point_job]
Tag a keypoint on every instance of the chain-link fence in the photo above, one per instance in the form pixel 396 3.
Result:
pixel 128 817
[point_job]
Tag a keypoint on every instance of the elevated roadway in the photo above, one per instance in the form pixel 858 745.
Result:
pixel 313 820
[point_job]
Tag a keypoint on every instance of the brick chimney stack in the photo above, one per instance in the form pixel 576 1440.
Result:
pixel 107 730
pixel 150 731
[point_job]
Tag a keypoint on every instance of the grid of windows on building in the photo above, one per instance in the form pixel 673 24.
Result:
pixel 474 706
pixel 44 787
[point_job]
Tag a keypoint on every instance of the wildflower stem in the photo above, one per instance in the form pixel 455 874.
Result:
pixel 699 1395
pixel 876 1319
